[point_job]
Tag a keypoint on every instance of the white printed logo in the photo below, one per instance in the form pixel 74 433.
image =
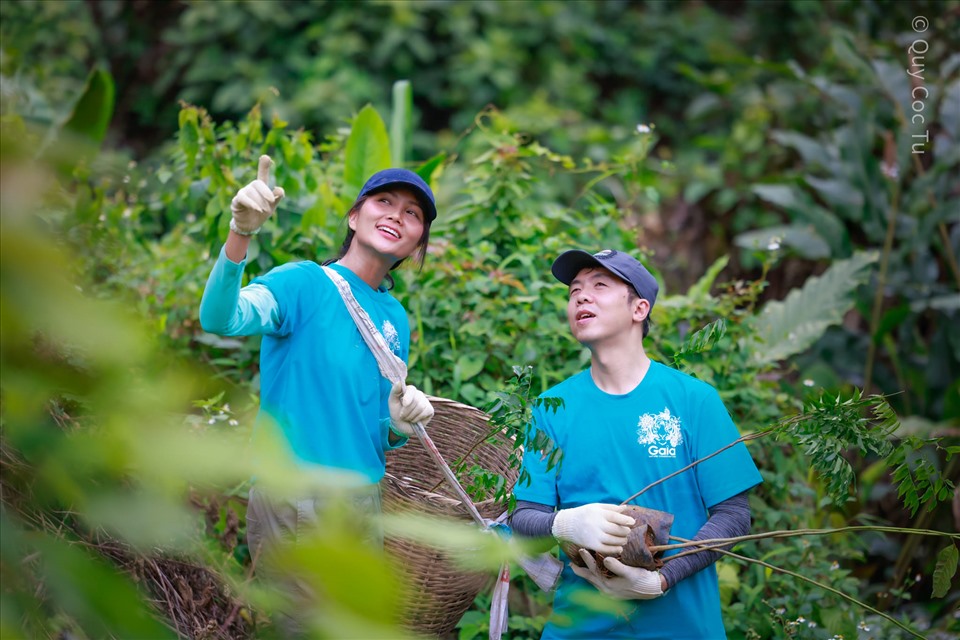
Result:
pixel 660 433
pixel 391 336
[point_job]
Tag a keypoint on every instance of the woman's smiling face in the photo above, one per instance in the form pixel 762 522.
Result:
pixel 390 223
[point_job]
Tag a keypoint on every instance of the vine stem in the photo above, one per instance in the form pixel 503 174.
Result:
pixel 836 592
pixel 494 431
pixel 746 438
pixel 714 544
pixel 880 286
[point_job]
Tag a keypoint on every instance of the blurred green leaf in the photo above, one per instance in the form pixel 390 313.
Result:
pixel 367 150
pixel 92 113
pixel 401 123
pixel 945 570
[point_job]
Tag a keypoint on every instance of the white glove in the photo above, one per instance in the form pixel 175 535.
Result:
pixel 596 526
pixel 255 202
pixel 408 405
pixel 630 583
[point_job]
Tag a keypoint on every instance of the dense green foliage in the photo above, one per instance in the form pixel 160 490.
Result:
pixel 767 158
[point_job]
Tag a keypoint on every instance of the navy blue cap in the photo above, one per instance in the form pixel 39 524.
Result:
pixel 381 180
pixel 626 267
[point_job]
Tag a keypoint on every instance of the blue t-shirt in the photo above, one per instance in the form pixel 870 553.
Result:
pixel 319 382
pixel 615 445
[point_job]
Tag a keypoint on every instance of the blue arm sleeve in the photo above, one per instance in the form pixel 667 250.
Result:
pixel 532 519
pixel 728 519
pixel 228 310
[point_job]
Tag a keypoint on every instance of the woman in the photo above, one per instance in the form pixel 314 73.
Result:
pixel 319 382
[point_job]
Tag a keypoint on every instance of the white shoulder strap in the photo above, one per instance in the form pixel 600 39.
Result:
pixel 391 367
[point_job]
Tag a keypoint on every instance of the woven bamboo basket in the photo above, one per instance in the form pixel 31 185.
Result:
pixel 439 591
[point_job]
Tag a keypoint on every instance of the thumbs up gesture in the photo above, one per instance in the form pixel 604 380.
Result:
pixel 255 202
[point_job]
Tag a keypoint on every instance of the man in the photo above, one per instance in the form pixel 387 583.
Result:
pixel 626 422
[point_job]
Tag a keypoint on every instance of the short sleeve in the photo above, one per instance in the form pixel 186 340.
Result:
pixel 542 487
pixel 730 472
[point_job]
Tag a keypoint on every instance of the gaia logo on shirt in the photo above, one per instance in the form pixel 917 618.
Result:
pixel 391 336
pixel 660 433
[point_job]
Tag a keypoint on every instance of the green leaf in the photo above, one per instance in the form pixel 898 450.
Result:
pixel 368 149
pixel 428 168
pixel 189 136
pixel 837 191
pixel 945 570
pixel 788 327
pixel 470 366
pixel 316 215
pixel 92 112
pixel 812 151
pixel 401 122
pixel 781 195
pixel 703 339
pixel 702 287
pixel 729 581
pixel 807 242
pixel 804 210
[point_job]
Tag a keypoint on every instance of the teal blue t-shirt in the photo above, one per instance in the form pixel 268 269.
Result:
pixel 318 379
pixel 615 445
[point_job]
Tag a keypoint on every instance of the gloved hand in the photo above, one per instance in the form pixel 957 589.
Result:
pixel 255 202
pixel 630 583
pixel 408 405
pixel 596 526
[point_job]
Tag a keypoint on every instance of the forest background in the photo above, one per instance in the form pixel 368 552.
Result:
pixel 789 169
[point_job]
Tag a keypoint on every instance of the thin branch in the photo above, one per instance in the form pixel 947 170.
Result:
pixel 746 438
pixel 714 544
pixel 822 586
pixel 881 286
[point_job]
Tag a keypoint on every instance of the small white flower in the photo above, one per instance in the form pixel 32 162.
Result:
pixel 863 626
pixel 774 244
pixel 812 624
pixel 226 407
pixel 801 620
pixel 808 382
pixel 781 611
pixel 211 421
pixel 834 566
pixel 232 422
pixel 642 128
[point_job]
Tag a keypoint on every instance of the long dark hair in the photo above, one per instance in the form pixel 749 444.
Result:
pixel 419 256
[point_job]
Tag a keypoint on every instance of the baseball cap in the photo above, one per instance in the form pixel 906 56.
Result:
pixel 624 266
pixel 381 180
